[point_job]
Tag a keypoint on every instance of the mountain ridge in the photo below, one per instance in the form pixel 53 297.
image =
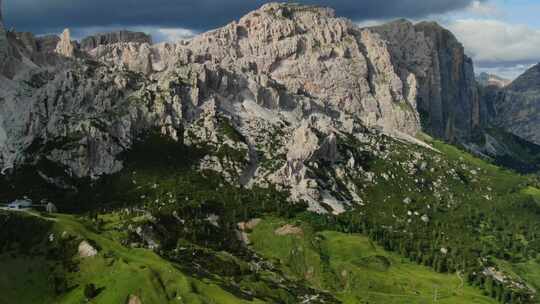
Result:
pixel 380 102
pixel 515 106
pixel 262 161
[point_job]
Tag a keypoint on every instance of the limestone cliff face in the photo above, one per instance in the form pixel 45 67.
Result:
pixel 92 42
pixel 517 106
pixel 290 79
pixel 4 44
pixel 304 50
pixel 65 46
pixel 447 96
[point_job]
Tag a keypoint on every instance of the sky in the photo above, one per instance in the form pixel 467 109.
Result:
pixel 502 36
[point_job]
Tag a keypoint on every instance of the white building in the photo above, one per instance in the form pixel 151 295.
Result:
pixel 20 205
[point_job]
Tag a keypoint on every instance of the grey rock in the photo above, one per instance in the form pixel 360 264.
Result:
pixel 47 44
pixel 28 41
pixel 4 44
pixel 447 97
pixel 92 42
pixel 287 69
pixel 86 250
pixel 517 106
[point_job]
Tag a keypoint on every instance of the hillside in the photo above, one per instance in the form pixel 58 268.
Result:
pixel 517 107
pixel 140 273
pixel 287 157
pixel 447 210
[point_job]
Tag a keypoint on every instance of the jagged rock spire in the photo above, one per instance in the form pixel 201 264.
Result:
pixel 65 47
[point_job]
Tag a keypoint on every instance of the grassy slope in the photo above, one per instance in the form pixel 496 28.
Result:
pixel 356 269
pixel 471 221
pixel 119 270
pixel 122 271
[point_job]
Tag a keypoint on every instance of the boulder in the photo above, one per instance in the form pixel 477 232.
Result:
pixel 133 299
pixel 289 230
pixel 250 225
pixel 86 250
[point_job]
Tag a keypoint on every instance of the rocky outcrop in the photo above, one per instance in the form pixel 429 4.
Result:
pixel 28 41
pixel 289 79
pixel 133 299
pixel 65 46
pixel 92 42
pixel 441 74
pixel 86 250
pixel 47 44
pixel 517 107
pixel 4 44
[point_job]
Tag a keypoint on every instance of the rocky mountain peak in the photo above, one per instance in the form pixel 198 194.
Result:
pixel 517 106
pixel 530 80
pixel 65 46
pixel 93 41
pixel 294 70
pixel 447 97
pixel 290 10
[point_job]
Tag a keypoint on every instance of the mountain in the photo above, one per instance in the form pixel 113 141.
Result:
pixel 287 157
pixel 442 75
pixel 287 67
pixel 486 79
pixel 509 126
pixel 518 109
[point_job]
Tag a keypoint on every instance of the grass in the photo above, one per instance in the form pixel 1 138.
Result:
pixel 356 269
pixel 24 280
pixel 479 211
pixel 117 270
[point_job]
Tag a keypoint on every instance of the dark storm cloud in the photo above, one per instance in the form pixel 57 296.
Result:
pixel 50 15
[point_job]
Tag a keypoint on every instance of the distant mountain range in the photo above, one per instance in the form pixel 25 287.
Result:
pixel 486 79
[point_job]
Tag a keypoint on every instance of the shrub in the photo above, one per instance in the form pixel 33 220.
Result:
pixel 90 291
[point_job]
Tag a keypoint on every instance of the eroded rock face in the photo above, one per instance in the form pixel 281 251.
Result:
pixel 92 42
pixel 4 44
pixel 290 79
pixel 517 107
pixel 65 46
pixel 47 44
pixel 441 74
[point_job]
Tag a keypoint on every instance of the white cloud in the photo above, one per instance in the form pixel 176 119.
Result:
pixel 493 41
pixel 171 34
pixel 158 34
pixel 484 9
pixel 369 23
pixel 509 72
